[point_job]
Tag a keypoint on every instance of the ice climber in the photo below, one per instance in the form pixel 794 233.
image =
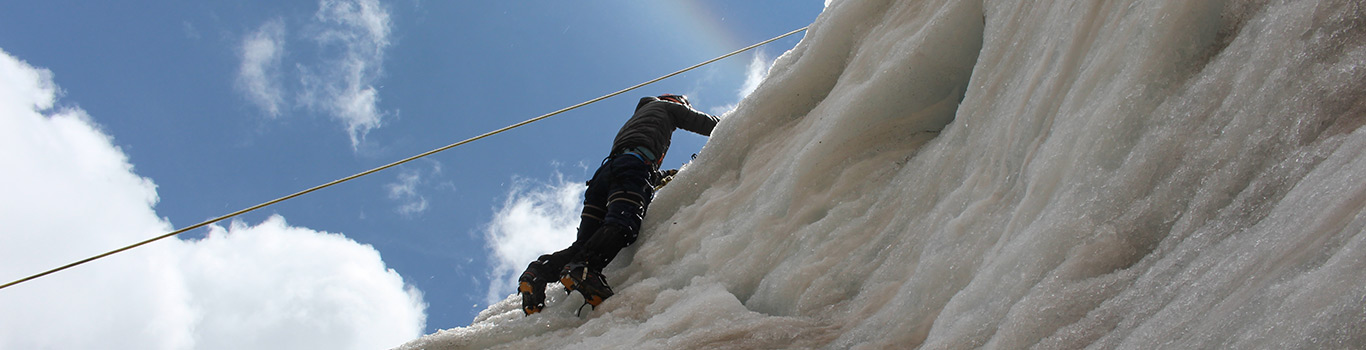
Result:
pixel 615 202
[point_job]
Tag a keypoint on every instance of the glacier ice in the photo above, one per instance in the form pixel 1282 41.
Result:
pixel 1011 174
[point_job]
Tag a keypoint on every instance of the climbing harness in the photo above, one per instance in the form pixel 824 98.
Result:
pixel 644 155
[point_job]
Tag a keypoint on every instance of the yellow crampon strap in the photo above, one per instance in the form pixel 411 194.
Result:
pixel 668 176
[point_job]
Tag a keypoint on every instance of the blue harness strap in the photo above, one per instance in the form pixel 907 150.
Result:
pixel 644 155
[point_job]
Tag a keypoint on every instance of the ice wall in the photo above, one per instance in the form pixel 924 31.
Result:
pixel 1011 174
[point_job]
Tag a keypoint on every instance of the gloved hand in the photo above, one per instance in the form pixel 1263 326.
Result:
pixel 664 177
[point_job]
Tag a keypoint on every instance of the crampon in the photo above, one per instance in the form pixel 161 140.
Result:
pixel 591 284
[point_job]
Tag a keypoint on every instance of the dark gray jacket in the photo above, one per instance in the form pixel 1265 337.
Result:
pixel 653 125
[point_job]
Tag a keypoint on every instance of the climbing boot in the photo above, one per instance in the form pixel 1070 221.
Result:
pixel 531 285
pixel 590 283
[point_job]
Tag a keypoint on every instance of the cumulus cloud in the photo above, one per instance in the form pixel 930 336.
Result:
pixel 537 218
pixel 350 37
pixel 73 194
pixel 277 286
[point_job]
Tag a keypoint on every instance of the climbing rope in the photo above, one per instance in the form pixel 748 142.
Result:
pixel 394 164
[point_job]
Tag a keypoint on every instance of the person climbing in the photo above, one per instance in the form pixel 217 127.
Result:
pixel 615 202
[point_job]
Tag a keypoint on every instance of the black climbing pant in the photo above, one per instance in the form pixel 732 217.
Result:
pixel 613 207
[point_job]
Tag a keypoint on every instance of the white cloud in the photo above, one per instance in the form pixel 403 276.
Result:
pixel 72 194
pixel 757 70
pixel 755 73
pixel 277 286
pixel 536 218
pixel 351 36
pixel 259 74
pixel 344 85
pixel 404 191
pixel 191 32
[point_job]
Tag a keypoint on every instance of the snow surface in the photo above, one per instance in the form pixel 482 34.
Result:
pixel 1011 174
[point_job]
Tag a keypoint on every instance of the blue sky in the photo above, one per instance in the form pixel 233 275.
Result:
pixel 227 104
